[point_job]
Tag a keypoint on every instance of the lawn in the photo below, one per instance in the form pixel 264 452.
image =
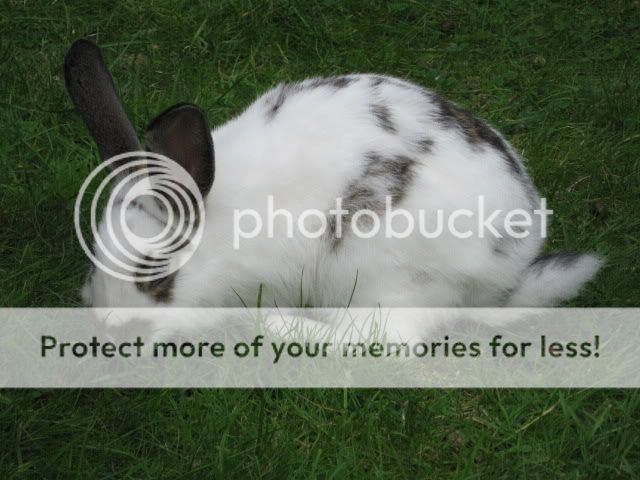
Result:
pixel 561 80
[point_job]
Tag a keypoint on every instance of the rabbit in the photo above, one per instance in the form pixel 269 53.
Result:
pixel 366 139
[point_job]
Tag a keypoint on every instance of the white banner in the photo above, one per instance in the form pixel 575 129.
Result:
pixel 388 348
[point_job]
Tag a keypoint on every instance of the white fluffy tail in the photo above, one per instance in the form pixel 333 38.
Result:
pixel 554 277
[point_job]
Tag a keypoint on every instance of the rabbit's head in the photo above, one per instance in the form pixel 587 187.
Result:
pixel 156 192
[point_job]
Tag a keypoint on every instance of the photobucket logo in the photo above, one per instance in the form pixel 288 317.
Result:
pixel 365 223
pixel 167 222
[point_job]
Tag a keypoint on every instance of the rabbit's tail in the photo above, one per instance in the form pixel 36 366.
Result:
pixel 554 277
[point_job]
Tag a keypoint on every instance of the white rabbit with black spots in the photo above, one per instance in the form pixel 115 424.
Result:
pixel 365 139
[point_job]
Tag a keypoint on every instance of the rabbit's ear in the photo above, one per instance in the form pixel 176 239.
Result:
pixel 182 134
pixel 90 86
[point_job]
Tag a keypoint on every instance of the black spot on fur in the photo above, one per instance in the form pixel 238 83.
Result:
pixel 475 131
pixel 337 82
pixel 424 145
pixel 358 196
pixel 504 296
pixel 499 248
pixel 284 91
pixel 161 289
pixel 383 117
pixel 396 170
pixel 562 259
pixel 361 197
pixel 505 246
pixel 377 81
pixel 382 176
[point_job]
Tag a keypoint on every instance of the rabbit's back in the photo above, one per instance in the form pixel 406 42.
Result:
pixel 363 138
pixel 333 130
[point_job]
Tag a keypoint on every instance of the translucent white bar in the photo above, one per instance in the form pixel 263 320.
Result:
pixel 387 348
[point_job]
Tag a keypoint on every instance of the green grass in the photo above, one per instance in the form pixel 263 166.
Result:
pixel 562 80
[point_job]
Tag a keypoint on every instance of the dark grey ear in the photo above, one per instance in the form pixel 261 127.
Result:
pixel 90 86
pixel 182 134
